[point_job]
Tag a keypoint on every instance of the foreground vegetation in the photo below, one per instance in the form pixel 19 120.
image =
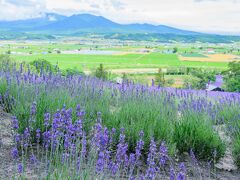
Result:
pixel 177 120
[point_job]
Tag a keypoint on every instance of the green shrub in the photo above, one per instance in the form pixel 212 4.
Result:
pixel 101 73
pixel 232 77
pixel 195 132
pixel 44 66
pixel 71 72
pixel 236 150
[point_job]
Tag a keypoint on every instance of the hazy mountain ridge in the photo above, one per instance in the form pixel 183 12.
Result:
pixel 54 23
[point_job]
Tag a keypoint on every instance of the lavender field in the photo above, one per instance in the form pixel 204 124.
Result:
pixel 79 127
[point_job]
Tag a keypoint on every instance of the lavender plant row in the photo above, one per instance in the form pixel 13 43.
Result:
pixel 181 120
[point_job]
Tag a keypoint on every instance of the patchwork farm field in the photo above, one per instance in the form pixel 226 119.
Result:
pixel 88 54
pixel 139 60
pixel 118 61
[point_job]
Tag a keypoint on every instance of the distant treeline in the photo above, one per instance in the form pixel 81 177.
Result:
pixel 174 37
pixel 7 35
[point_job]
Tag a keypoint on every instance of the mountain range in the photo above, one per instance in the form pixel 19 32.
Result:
pixel 55 23
pixel 50 26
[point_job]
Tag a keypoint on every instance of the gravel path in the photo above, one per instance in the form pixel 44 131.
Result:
pixel 6 143
pixel 8 167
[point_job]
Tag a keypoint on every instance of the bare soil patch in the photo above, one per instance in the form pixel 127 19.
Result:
pixel 212 58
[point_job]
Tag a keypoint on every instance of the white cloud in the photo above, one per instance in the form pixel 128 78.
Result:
pixel 221 16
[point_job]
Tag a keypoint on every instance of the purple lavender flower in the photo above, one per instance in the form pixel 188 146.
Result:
pixel 78 108
pixel 78 128
pixel 141 177
pixel 78 163
pixel 99 117
pixel 38 135
pixel 132 160
pixel 15 125
pixel 172 174
pixel 84 146
pixel 17 138
pixel 122 148
pixel 20 168
pixel 152 169
pixel 163 154
pixel 100 163
pixel 33 159
pixel 26 136
pixel 33 108
pixel 67 142
pixel 15 153
pixel 47 139
pixel 182 173
pixel 113 132
pixel 46 119
pixel 114 167
pixel 193 157
pixel 65 157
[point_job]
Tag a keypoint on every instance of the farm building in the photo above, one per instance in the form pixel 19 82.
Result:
pixel 210 51
pixel 119 80
pixel 217 85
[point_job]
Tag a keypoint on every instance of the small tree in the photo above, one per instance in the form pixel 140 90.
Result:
pixel 232 77
pixel 175 50
pixel 160 77
pixel 199 78
pixel 8 52
pixel 101 73
pixel 125 78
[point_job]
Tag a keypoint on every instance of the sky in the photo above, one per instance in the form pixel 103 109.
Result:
pixel 212 16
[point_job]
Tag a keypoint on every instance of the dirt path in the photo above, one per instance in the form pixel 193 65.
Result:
pixel 227 162
pixel 8 167
pixel 6 143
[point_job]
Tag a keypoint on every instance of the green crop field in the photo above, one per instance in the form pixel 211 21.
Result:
pixel 193 55
pixel 119 55
pixel 117 61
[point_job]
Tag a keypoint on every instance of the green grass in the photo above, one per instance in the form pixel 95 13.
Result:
pixel 195 132
pixel 236 150
pixel 117 61
pixel 193 55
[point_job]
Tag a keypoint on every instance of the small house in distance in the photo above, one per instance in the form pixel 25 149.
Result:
pixel 210 51
pixel 119 80
pixel 217 85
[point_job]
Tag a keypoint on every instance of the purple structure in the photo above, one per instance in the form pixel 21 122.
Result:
pixel 217 85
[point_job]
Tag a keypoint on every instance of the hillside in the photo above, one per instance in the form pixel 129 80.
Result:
pixel 52 24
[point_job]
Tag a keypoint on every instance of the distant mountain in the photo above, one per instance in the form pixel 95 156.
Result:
pixel 50 25
pixel 81 23
pixel 54 23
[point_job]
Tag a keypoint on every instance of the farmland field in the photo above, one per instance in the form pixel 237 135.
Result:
pixel 120 57
pixel 211 58
pixel 83 55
